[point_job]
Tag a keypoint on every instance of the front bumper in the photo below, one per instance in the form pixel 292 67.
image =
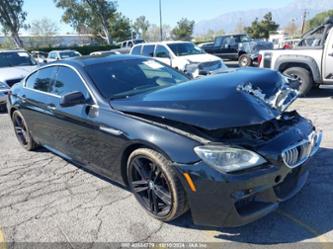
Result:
pixel 231 200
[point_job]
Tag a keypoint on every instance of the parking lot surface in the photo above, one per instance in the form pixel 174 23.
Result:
pixel 46 199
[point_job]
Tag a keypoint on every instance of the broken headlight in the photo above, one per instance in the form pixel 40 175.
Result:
pixel 228 159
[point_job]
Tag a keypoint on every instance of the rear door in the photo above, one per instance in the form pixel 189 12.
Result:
pixel 38 104
pixel 328 59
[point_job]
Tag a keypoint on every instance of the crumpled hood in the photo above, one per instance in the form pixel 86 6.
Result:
pixel 238 98
pixel 9 73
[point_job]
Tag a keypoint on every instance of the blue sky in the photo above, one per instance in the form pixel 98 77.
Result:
pixel 173 10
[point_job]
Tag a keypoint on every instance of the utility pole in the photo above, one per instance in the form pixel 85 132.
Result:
pixel 304 21
pixel 161 30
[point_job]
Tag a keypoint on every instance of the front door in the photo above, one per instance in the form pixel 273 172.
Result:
pixel 163 55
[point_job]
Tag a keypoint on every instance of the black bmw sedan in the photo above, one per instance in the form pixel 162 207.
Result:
pixel 223 146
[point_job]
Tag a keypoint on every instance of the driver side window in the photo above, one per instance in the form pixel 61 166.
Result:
pixel 68 81
pixel 162 52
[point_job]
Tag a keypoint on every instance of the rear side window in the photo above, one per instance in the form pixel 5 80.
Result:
pixel 148 50
pixel 136 50
pixel 42 80
pixel 68 81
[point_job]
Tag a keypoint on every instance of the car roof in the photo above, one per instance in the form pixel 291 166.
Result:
pixel 88 60
pixel 162 43
pixel 64 50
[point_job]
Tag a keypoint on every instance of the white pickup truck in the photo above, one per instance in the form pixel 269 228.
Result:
pixel 311 62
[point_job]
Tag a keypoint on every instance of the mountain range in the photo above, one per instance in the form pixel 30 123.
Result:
pixel 295 10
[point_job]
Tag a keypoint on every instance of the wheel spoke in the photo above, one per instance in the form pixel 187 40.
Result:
pixel 139 168
pixel 140 186
pixel 163 195
pixel 155 203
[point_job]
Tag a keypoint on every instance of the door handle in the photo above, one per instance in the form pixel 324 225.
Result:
pixel 51 107
pixel 331 54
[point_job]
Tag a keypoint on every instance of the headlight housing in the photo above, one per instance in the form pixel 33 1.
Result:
pixel 228 159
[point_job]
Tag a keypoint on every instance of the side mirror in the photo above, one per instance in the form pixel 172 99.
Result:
pixel 72 99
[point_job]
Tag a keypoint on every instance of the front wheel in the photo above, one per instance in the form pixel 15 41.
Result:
pixel 303 76
pixel 245 60
pixel 155 185
pixel 22 132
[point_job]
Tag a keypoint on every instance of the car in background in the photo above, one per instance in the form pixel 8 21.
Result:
pixel 14 66
pixel 311 62
pixel 238 47
pixel 223 146
pixel 39 56
pixel 125 46
pixel 183 56
pixel 56 55
pixel 106 52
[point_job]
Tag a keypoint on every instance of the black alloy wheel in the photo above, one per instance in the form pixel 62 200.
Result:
pixel 155 185
pixel 22 132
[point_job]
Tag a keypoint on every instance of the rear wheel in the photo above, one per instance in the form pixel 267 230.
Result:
pixel 303 76
pixel 155 185
pixel 22 132
pixel 245 60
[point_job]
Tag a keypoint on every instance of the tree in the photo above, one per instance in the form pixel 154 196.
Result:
pixel 262 29
pixel 141 26
pixel 95 14
pixel 291 28
pixel 120 27
pixel 12 18
pixel 183 30
pixel 43 27
pixel 42 30
pixel 318 19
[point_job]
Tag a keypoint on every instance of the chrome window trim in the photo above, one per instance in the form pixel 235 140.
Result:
pixel 55 95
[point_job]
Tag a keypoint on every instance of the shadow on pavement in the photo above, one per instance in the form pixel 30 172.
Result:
pixel 322 92
pixel 306 216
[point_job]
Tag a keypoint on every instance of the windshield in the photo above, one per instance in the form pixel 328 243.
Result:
pixel 16 59
pixel 68 54
pixel 182 49
pixel 120 79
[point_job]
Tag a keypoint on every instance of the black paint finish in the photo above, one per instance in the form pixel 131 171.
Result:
pixel 100 134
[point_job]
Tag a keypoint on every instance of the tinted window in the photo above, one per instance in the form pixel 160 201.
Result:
pixel 68 54
pixel 148 50
pixel 11 59
pixel 68 81
pixel 52 55
pixel 219 41
pixel 162 52
pixel 129 77
pixel 42 80
pixel 136 50
pixel 182 49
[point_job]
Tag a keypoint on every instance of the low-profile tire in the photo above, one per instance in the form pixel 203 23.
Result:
pixel 155 185
pixel 303 76
pixel 22 132
pixel 245 60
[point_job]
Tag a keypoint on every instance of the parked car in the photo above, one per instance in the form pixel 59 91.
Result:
pixel 39 56
pixel 56 55
pixel 106 52
pixel 311 62
pixel 223 146
pixel 125 46
pixel 183 56
pixel 14 66
pixel 238 47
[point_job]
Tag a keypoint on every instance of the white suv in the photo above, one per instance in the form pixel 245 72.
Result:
pixel 181 55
